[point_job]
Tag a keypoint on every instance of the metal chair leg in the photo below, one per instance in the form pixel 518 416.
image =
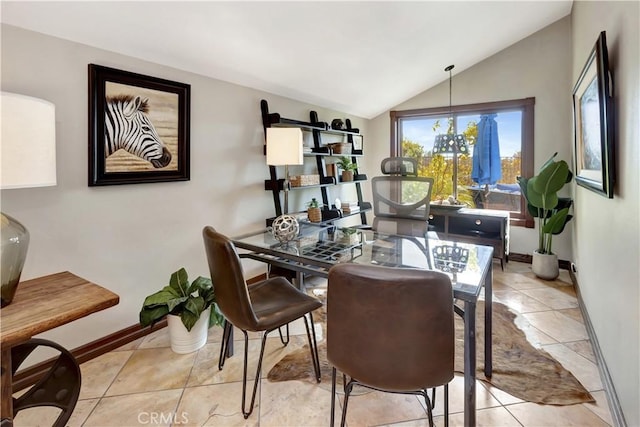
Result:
pixel 425 394
pixel 433 397
pixel 333 395
pixel 281 338
pixel 446 405
pixel 245 412
pixel 313 346
pixel 224 346
pixel 347 391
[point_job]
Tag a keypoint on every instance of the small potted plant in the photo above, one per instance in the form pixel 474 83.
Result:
pixel 347 167
pixel 190 310
pixel 552 212
pixel 349 235
pixel 313 211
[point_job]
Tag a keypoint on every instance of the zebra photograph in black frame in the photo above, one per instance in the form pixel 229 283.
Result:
pixel 138 128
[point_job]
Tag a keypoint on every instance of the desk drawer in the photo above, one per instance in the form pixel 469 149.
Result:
pixel 437 223
pixel 484 227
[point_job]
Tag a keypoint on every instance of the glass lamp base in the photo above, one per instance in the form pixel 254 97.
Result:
pixel 15 242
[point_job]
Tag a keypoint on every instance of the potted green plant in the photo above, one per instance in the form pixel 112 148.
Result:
pixel 348 167
pixel 313 211
pixel 552 212
pixel 349 235
pixel 190 309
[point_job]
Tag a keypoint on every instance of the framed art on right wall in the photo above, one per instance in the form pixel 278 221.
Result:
pixel 593 122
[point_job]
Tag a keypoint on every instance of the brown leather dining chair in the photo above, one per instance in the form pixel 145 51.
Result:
pixel 260 307
pixel 390 329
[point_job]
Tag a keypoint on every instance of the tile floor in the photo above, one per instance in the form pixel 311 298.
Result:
pixel 145 383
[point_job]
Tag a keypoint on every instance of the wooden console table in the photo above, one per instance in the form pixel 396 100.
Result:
pixel 40 305
pixel 478 226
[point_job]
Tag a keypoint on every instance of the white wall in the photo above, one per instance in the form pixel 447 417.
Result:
pixel 538 66
pixel 130 238
pixel 607 231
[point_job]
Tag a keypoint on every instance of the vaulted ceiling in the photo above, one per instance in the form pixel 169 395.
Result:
pixel 361 58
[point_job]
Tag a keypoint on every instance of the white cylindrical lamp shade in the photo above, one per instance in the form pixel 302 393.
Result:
pixel 27 142
pixel 284 146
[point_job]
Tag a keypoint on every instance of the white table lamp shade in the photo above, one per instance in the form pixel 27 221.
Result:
pixel 27 159
pixel 27 142
pixel 284 146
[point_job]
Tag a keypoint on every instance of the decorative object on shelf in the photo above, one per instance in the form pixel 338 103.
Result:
pixel 304 180
pixel 193 305
pixel 138 128
pixel 337 124
pixel 349 236
pixel 332 170
pixel 451 143
pixel 350 207
pixel 541 194
pixel 313 211
pixel 284 147
pixel 348 167
pixel 340 148
pixel 285 228
pixel 594 123
pixel 28 147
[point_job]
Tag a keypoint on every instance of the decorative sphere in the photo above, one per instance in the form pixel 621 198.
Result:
pixel 285 228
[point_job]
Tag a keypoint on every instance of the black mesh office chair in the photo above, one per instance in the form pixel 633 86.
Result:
pixel 405 166
pixel 401 204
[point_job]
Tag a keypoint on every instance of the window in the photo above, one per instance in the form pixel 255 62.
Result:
pixel 413 134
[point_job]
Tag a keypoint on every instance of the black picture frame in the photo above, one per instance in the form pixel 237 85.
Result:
pixel 145 115
pixel 593 121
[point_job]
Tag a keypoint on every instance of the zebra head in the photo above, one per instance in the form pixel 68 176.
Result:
pixel 128 127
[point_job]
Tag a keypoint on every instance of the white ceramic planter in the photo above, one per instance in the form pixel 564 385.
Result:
pixel 545 266
pixel 183 341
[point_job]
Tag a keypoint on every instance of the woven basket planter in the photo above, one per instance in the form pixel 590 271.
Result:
pixel 314 214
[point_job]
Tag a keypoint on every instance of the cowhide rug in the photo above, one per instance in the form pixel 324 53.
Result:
pixel 519 368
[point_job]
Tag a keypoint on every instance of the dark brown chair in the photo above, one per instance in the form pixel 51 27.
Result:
pixel 260 307
pixel 390 329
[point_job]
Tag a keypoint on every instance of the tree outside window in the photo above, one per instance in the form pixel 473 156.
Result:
pixel 414 136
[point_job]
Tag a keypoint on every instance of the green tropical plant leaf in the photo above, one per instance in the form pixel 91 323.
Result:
pixel 174 304
pixel 160 298
pixel 195 305
pixel 556 222
pixel 201 284
pixel 149 316
pixel 180 282
pixel 215 318
pixel 188 319
pixel 552 177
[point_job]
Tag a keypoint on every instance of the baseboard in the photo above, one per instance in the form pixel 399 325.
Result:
pixel 28 376
pixel 527 258
pixel 612 397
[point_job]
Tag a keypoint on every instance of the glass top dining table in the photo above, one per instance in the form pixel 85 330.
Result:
pixel 318 247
